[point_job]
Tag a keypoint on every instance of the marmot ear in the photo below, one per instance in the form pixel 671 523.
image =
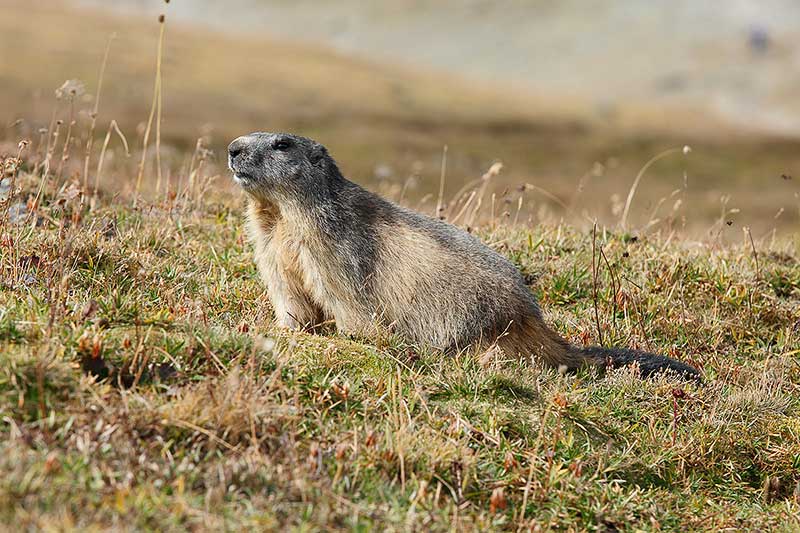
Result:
pixel 318 152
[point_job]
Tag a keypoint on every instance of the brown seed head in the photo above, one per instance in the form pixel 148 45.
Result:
pixel 498 500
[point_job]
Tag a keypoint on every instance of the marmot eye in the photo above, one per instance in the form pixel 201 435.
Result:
pixel 282 145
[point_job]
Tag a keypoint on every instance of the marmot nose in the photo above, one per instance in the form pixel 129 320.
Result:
pixel 237 147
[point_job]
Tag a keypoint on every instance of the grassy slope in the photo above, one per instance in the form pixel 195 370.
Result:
pixel 232 423
pixel 371 115
pixel 142 387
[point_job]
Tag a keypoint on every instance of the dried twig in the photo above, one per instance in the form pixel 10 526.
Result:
pixel 595 264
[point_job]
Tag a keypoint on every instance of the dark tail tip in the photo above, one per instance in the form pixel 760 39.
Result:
pixel 649 364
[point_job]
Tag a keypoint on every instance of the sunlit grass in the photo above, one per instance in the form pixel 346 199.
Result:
pixel 141 385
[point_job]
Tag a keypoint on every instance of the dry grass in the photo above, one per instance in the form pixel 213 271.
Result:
pixel 383 122
pixel 141 386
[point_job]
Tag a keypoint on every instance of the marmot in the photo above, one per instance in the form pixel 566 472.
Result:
pixel 328 249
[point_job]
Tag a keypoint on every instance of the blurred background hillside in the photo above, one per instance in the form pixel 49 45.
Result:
pixel 738 61
pixel 574 97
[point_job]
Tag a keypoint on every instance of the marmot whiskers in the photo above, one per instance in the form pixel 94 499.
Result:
pixel 328 249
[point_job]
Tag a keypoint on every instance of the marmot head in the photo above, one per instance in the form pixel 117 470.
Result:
pixel 280 166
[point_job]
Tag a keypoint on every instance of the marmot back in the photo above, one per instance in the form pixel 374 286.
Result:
pixel 328 249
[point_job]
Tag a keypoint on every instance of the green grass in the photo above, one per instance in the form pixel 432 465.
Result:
pixel 142 387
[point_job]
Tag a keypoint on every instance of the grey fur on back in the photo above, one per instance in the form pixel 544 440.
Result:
pixel 328 247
